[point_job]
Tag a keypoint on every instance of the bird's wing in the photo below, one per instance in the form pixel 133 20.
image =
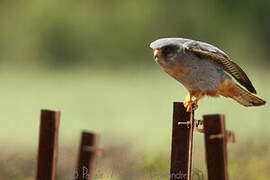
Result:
pixel 220 59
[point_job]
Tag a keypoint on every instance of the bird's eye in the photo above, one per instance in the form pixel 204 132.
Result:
pixel 166 50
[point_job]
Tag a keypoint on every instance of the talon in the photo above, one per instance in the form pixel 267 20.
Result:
pixel 191 104
pixel 186 104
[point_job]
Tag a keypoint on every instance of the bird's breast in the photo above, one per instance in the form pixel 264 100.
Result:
pixel 177 70
pixel 194 74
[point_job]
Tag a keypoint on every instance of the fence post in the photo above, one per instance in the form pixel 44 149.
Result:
pixel 48 142
pixel 182 136
pixel 87 153
pixel 216 146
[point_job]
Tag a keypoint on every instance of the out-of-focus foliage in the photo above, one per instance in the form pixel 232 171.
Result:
pixel 68 32
pixel 124 104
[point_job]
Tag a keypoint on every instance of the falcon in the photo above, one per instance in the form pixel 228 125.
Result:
pixel 204 70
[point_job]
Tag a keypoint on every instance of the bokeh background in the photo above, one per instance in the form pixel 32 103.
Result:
pixel 91 60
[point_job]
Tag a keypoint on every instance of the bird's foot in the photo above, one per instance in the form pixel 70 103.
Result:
pixel 191 105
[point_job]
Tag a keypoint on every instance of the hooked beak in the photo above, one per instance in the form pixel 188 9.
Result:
pixel 157 53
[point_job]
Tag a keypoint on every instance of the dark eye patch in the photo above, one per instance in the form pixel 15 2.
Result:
pixel 168 49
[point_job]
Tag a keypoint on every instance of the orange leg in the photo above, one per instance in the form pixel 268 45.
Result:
pixel 188 102
pixel 193 104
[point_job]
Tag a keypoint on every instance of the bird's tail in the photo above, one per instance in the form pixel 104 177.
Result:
pixel 247 99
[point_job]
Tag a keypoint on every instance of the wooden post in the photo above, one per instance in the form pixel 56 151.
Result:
pixel 88 150
pixel 48 142
pixel 216 147
pixel 182 136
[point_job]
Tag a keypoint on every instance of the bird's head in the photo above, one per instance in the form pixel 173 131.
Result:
pixel 166 50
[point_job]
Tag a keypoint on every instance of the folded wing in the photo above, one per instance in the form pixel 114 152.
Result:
pixel 221 60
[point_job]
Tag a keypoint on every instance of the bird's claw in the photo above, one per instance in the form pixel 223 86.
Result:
pixel 190 105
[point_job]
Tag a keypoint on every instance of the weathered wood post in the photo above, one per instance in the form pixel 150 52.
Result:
pixel 48 142
pixel 181 148
pixel 87 153
pixel 216 146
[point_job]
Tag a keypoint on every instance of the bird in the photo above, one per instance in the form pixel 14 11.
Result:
pixel 204 70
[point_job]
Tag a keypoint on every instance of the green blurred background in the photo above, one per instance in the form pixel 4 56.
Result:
pixel 91 60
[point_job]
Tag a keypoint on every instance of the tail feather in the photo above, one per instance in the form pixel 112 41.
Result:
pixel 247 99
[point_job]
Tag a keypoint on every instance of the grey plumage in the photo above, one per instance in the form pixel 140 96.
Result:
pixel 202 68
pixel 212 54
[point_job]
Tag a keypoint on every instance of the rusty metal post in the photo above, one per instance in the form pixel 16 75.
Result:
pixel 216 146
pixel 87 154
pixel 48 142
pixel 182 136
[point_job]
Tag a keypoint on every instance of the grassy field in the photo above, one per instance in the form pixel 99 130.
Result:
pixel 131 109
